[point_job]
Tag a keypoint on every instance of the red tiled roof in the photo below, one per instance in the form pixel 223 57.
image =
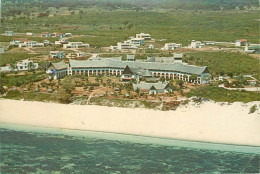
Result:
pixel 243 40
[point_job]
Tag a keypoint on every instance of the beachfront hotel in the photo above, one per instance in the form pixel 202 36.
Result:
pixel 116 66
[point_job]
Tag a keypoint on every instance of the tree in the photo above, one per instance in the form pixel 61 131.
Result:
pixel 130 26
pixel 67 84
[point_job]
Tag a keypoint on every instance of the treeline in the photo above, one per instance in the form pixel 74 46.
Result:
pixel 17 6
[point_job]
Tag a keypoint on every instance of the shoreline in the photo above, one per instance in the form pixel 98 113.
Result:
pixel 187 123
pixel 111 136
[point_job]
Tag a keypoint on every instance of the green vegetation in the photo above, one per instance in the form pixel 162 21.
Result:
pixel 18 80
pixel 253 109
pixel 222 63
pixel 104 28
pixel 32 96
pixel 223 95
pixel 9 58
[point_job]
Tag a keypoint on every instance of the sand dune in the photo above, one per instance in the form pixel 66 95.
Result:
pixel 209 122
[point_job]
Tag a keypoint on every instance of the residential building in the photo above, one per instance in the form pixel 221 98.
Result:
pixel 62 41
pixel 75 45
pixel 130 57
pixel 81 54
pixel 153 88
pixel 16 41
pixel 145 36
pixel 126 45
pixel 46 34
pixel 137 41
pixel 29 34
pixel 178 58
pixel 57 54
pixel 151 46
pixel 241 42
pixel 30 44
pixel 46 42
pixel 56 34
pixel 2 50
pixel 26 65
pixel 23 65
pixel 196 44
pixel 252 49
pixel 67 35
pixel 9 33
pixel 171 46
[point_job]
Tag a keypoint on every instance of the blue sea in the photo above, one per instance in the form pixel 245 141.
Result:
pixel 45 150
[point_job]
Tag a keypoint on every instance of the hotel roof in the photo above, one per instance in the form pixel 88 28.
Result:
pixel 152 66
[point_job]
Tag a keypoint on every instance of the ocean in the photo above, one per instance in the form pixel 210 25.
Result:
pixel 45 150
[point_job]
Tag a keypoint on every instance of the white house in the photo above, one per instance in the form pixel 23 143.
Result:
pixel 151 46
pixel 126 45
pixel 196 44
pixel 171 46
pixel 16 41
pixel 30 44
pixel 241 42
pixel 145 36
pixel 81 54
pixel 75 45
pixel 26 65
pixel 62 41
pixel 57 54
pixel 29 34
pixel 9 33
pixel 137 41
pixel 178 58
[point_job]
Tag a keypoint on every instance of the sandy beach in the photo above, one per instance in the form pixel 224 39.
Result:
pixel 208 122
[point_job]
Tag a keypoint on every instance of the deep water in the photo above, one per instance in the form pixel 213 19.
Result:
pixel 39 152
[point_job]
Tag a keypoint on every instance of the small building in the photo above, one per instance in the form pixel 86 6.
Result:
pixel 16 41
pixel 145 36
pixel 46 42
pixel 67 35
pixel 130 57
pixel 81 54
pixel 252 49
pixel 62 41
pixel 137 41
pixel 241 42
pixel 9 33
pixel 178 58
pixel 29 34
pixel 196 44
pixel 46 34
pixel 25 65
pixel 75 45
pixel 171 46
pixel 151 46
pixel 153 88
pixel 57 54
pixel 56 34
pixel 2 50
pixel 30 44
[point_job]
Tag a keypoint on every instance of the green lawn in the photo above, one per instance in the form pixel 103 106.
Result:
pixel 223 95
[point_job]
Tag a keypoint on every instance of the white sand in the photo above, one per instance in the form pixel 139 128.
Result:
pixel 210 122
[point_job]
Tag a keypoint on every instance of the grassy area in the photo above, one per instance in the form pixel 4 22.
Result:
pixel 223 95
pixel 127 103
pixel 111 27
pixel 8 58
pixel 32 96
pixel 222 63
pixel 18 80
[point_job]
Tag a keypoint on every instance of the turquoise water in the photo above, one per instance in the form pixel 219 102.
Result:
pixel 42 150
